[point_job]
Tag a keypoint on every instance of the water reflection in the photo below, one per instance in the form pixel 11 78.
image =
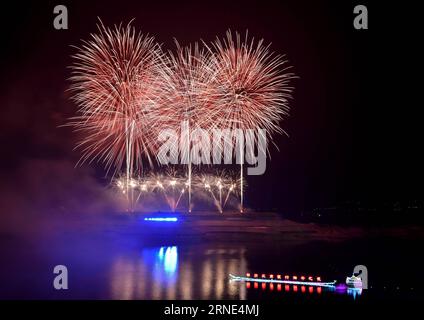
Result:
pixel 195 272
pixel 178 273
pixel 168 259
pixel 344 289
pixel 354 292
pixel 299 289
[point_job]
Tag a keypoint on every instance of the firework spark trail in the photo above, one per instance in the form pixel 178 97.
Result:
pixel 114 81
pixel 185 96
pixel 216 184
pixel 172 186
pixel 230 189
pixel 251 84
pixel 251 88
pixel 127 91
pixel 185 91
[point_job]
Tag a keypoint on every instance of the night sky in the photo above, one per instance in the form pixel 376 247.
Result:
pixel 355 125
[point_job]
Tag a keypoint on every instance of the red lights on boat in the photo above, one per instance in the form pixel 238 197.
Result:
pixel 295 281
pixel 286 287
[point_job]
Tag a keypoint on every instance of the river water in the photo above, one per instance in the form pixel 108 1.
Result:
pixel 109 265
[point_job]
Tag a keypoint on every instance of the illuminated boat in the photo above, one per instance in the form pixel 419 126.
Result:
pixel 354 282
pixel 294 280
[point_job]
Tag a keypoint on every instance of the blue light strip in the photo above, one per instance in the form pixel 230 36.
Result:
pixel 301 283
pixel 171 219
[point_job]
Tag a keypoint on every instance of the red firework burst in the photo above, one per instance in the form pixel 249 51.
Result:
pixel 251 85
pixel 185 96
pixel 114 81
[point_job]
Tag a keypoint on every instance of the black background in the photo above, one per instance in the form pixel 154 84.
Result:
pixel 355 125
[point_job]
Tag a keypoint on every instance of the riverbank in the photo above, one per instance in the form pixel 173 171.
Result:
pixel 210 226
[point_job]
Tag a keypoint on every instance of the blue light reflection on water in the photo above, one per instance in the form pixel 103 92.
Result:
pixel 169 258
pixel 163 263
pixel 182 272
pixel 344 289
pixel 171 272
pixel 354 292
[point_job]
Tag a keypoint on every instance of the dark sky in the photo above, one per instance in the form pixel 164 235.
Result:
pixel 354 129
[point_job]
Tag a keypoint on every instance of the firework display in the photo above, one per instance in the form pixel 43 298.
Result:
pixel 251 87
pixel 113 80
pixel 128 91
pixel 172 186
pixel 251 84
pixel 185 96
